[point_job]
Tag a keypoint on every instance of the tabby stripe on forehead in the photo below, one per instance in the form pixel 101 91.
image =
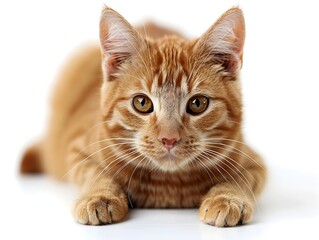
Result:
pixel 178 80
pixel 160 79
pixel 175 78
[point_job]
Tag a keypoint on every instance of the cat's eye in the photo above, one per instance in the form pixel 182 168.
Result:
pixel 142 104
pixel 197 105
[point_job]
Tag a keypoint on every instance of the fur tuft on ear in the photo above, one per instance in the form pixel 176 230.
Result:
pixel 118 40
pixel 223 43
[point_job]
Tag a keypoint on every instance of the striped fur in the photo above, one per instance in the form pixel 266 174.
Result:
pixel 115 154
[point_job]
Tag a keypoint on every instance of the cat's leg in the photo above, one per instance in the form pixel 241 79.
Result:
pixel 232 202
pixel 225 205
pixel 102 200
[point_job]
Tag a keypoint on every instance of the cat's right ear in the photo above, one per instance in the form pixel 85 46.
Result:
pixel 119 41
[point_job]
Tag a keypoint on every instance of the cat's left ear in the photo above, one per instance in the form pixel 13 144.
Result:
pixel 119 41
pixel 223 43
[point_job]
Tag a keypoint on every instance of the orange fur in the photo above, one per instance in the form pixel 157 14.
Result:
pixel 31 162
pixel 169 157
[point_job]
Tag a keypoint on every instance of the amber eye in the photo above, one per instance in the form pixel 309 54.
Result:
pixel 142 104
pixel 197 105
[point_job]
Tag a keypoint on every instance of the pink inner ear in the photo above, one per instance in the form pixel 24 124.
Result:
pixel 232 64
pixel 112 63
pixel 229 62
pixel 111 66
pixel 225 40
pixel 119 41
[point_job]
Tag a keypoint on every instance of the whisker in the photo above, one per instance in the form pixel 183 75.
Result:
pixel 142 171
pixel 115 154
pixel 126 164
pixel 228 157
pixel 231 159
pixel 224 139
pixel 213 165
pixel 126 156
pixel 120 159
pixel 246 182
pixel 129 182
pixel 237 149
pixel 205 168
pixel 86 158
pixel 234 180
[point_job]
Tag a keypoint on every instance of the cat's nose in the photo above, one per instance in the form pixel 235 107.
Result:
pixel 169 136
pixel 169 142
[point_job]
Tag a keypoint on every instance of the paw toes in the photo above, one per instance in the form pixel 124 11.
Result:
pixel 80 212
pixel 103 213
pixel 99 210
pixel 222 212
pixel 246 213
pixel 234 215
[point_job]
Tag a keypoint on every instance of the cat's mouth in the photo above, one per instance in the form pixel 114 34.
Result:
pixel 166 159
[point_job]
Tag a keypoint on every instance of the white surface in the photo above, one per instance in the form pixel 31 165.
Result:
pixel 288 209
pixel 280 89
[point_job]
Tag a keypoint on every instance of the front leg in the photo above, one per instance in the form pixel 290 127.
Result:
pixel 101 206
pixel 225 205
pixel 102 200
pixel 232 202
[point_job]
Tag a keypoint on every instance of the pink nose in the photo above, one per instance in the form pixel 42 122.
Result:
pixel 169 142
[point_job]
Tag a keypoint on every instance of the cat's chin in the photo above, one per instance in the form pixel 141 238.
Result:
pixel 170 163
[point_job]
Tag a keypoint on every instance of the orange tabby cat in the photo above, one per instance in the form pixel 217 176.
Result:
pixel 158 126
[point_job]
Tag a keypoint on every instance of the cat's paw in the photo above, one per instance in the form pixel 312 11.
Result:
pixel 99 209
pixel 224 211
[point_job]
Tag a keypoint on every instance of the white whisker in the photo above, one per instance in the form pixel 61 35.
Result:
pixel 205 168
pixel 126 164
pixel 231 176
pixel 130 179
pixel 116 154
pixel 120 159
pixel 212 142
pixel 242 177
pixel 86 158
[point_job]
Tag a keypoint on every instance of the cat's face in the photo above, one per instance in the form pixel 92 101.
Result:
pixel 172 98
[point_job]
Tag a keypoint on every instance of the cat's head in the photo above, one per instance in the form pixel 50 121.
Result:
pixel 172 99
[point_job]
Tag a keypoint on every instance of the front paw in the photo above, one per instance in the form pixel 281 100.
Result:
pixel 98 209
pixel 223 211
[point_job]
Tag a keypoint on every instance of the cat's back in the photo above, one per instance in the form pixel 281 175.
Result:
pixel 81 73
pixel 74 107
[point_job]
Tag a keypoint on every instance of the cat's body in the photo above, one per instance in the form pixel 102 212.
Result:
pixel 128 134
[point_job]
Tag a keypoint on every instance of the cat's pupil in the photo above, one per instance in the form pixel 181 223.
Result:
pixel 196 103
pixel 142 101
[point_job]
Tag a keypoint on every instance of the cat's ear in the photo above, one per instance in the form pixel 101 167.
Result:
pixel 119 41
pixel 223 43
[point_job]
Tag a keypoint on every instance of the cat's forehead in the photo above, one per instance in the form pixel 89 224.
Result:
pixel 171 53
pixel 173 70
pixel 170 66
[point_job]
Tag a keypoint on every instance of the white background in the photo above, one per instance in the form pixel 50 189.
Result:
pixel 280 90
